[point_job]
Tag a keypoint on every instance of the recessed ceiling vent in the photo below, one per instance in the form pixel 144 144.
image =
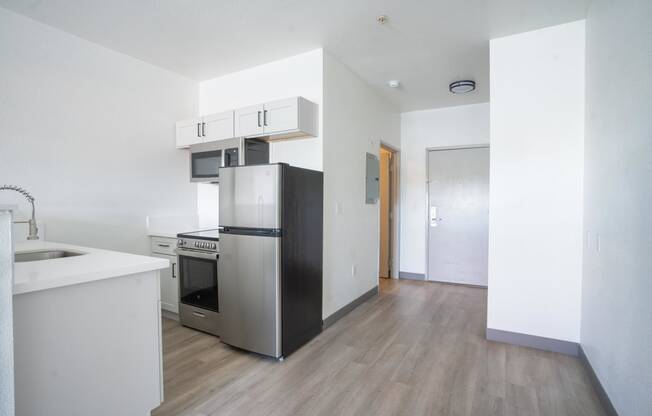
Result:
pixel 462 87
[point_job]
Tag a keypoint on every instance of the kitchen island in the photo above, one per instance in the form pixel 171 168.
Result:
pixel 87 331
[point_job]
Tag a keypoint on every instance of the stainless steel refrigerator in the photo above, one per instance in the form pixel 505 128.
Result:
pixel 270 266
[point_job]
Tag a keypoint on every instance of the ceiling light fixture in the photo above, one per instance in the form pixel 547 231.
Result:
pixel 462 87
pixel 394 83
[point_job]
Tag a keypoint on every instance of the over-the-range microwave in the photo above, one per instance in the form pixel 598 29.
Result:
pixel 206 159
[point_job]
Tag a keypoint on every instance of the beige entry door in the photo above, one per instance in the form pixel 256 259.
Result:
pixel 458 215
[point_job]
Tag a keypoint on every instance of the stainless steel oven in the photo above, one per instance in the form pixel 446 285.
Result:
pixel 197 259
pixel 206 159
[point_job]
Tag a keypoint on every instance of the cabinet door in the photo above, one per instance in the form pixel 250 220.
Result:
pixel 169 284
pixel 281 115
pixel 249 121
pixel 218 126
pixel 188 132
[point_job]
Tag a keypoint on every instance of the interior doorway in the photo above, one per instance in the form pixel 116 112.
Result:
pixel 458 215
pixel 388 205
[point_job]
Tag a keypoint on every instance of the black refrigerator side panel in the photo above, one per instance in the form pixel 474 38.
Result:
pixel 302 258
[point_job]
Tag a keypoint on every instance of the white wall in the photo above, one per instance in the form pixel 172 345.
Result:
pixel 299 75
pixel 208 202
pixel 356 119
pixel 7 405
pixel 420 130
pixel 535 218
pixel 617 288
pixel 90 133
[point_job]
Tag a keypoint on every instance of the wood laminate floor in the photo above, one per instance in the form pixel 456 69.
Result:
pixel 417 349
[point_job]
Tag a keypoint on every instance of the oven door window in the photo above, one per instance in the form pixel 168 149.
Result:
pixel 206 164
pixel 198 282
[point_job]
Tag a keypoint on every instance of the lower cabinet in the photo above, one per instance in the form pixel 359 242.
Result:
pixel 169 276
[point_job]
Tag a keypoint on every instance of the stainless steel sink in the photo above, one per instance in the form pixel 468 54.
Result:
pixel 44 255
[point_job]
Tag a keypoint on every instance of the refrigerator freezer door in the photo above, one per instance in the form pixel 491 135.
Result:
pixel 249 293
pixel 250 196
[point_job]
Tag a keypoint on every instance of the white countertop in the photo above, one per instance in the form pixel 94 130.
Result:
pixel 97 264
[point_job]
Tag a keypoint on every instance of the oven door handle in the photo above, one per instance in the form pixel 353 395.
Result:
pixel 197 254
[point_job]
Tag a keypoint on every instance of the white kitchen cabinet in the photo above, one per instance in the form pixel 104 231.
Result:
pixel 249 121
pixel 218 126
pixel 211 127
pixel 91 348
pixel 165 248
pixel 281 119
pixel 276 120
pixel 281 115
pixel 291 117
pixel 188 132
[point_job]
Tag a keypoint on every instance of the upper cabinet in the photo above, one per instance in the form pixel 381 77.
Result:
pixel 209 128
pixel 188 132
pixel 274 120
pixel 217 126
pixel 282 119
pixel 249 121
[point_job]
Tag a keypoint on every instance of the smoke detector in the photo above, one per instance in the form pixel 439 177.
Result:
pixel 394 83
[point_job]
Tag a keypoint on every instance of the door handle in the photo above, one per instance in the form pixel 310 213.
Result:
pixel 174 275
pixel 433 217
pixel 259 119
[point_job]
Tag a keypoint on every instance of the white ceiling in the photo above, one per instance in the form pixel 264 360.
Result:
pixel 426 44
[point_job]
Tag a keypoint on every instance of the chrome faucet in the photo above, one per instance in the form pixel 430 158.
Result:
pixel 33 229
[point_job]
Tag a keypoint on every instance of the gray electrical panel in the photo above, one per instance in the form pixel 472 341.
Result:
pixel 372 179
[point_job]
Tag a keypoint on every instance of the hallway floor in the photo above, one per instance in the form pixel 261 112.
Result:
pixel 417 349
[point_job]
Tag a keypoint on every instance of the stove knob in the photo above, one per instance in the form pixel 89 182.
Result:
pixel 213 246
pixel 196 244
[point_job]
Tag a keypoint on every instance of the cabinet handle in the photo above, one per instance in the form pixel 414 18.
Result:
pixel 174 275
pixel 198 131
pixel 259 119
pixel 265 118
pixel 163 245
pixel 203 129
pixel 199 314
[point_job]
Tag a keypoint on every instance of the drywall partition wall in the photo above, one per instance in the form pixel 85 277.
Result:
pixel 299 75
pixel 7 405
pixel 535 214
pixel 208 202
pixel 356 120
pixel 90 133
pixel 421 130
pixel 617 288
